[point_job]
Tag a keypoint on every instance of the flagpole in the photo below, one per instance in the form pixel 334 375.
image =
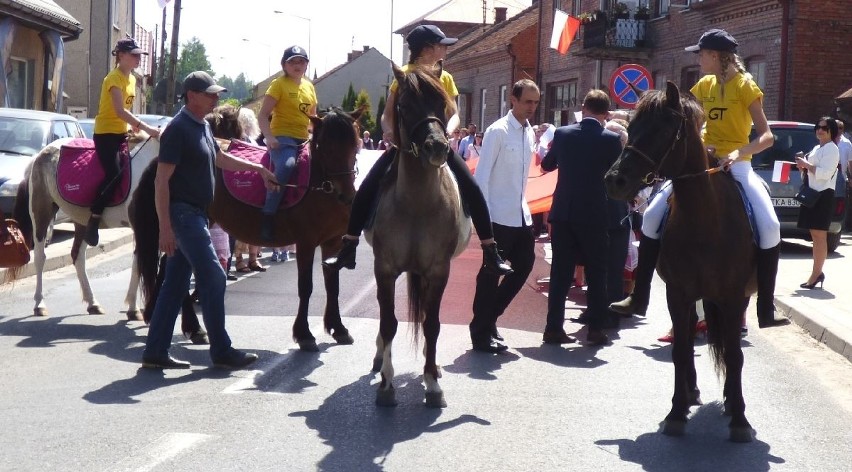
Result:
pixel 170 76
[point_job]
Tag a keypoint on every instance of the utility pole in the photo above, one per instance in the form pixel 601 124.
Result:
pixel 170 76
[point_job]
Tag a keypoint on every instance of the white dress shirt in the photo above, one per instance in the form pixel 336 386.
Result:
pixel 826 159
pixel 504 163
pixel 845 147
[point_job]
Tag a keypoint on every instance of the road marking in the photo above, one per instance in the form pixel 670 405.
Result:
pixel 163 449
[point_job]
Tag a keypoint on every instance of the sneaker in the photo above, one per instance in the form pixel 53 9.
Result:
pixel 235 360
pixel 276 257
pixel 167 362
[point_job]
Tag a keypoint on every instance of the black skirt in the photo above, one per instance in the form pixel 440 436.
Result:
pixel 818 217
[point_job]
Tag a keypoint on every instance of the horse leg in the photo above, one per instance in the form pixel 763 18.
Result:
pixel 694 395
pixel 433 291
pixel 385 286
pixel 301 330
pixel 331 318
pixel 739 427
pixel 92 306
pixel 39 258
pixel 133 313
pixel 682 356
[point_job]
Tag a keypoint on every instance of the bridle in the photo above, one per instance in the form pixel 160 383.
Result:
pixel 327 184
pixel 413 148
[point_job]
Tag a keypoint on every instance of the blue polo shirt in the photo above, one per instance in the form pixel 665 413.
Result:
pixel 188 143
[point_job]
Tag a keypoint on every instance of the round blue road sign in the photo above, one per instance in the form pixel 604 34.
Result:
pixel 628 82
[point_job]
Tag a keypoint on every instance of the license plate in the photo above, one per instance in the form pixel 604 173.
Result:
pixel 785 202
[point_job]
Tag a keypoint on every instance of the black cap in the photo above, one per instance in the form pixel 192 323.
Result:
pixel 424 35
pixel 715 40
pixel 200 81
pixel 294 51
pixel 128 45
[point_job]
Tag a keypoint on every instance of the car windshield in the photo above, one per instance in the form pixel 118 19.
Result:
pixel 22 136
pixel 788 141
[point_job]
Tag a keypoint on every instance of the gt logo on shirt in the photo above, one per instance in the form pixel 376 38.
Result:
pixel 129 100
pixel 716 113
pixel 304 107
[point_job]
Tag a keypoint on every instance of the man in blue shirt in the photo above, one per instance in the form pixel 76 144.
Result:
pixel 471 132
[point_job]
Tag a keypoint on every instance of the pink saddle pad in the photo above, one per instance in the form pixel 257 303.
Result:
pixel 248 187
pixel 79 173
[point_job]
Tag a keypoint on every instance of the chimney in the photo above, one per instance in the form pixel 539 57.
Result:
pixel 366 48
pixel 499 14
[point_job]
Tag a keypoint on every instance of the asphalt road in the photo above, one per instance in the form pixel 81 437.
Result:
pixel 72 396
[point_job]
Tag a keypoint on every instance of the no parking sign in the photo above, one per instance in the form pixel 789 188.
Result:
pixel 628 82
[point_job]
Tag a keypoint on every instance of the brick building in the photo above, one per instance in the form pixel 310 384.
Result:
pixel 801 67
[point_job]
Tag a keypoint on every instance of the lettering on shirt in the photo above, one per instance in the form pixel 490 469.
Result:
pixel 716 113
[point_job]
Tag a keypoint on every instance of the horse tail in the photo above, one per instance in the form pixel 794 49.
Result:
pixel 717 326
pixel 21 212
pixel 416 313
pixel 146 233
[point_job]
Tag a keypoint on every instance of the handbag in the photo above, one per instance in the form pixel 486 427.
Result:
pixel 14 252
pixel 806 195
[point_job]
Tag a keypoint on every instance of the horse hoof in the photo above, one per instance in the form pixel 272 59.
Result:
pixel 742 434
pixel 377 364
pixel 674 428
pixel 695 398
pixel 95 310
pixel 343 338
pixel 386 397
pixel 308 345
pixel 199 337
pixel 134 315
pixel 435 400
pixel 40 311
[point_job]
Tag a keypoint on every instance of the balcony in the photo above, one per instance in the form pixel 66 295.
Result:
pixel 622 39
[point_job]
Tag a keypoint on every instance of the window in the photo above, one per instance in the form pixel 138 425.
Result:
pixel 688 77
pixel 575 8
pixel 660 80
pixel 114 10
pixel 59 130
pixel 20 83
pixel 503 100
pixel 482 95
pixel 757 68
pixel 562 98
pixel 663 7
pixel 464 101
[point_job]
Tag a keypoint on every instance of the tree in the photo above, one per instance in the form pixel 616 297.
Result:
pixel 349 99
pixel 193 57
pixel 366 120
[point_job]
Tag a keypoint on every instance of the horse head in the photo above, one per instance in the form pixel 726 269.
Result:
pixel 659 137
pixel 334 147
pixel 422 110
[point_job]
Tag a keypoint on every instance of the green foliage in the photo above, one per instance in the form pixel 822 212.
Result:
pixel 366 121
pixel 193 57
pixel 239 88
pixel 349 99
pixel 230 101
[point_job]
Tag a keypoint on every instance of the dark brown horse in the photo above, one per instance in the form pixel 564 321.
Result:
pixel 706 252
pixel 419 225
pixel 318 220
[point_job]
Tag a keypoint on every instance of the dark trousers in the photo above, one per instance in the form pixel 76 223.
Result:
pixel 493 295
pixel 616 253
pixel 470 192
pixel 107 147
pixel 569 241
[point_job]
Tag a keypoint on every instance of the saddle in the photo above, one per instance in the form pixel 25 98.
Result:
pixel 248 186
pixel 79 173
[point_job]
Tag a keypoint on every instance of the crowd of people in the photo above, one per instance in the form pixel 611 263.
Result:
pixel 586 227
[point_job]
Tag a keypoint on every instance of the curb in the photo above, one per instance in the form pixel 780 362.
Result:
pixel 824 334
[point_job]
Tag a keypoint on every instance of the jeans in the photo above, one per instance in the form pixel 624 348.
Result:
pixel 194 254
pixel 283 162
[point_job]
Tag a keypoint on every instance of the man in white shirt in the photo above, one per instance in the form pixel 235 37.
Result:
pixel 504 161
pixel 845 147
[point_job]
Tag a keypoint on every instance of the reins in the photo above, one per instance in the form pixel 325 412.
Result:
pixel 326 185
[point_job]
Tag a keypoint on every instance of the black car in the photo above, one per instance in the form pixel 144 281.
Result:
pixel 792 137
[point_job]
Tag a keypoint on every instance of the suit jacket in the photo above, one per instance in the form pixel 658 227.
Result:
pixel 583 152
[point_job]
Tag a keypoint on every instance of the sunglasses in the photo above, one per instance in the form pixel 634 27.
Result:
pixel 820 127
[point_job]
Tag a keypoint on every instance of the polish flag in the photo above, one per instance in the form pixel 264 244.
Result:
pixel 781 171
pixel 565 29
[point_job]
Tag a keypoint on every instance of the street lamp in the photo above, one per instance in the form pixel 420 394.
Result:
pixel 301 18
pixel 268 54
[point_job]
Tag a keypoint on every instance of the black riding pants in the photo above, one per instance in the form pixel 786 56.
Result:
pixel 107 147
pixel 470 192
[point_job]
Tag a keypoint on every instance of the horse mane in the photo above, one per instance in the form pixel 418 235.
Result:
pixel 653 103
pixel 224 122
pixel 427 85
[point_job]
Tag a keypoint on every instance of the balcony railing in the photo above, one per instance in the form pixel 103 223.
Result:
pixel 618 38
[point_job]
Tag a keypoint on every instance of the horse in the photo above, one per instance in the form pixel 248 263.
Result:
pixel 707 250
pixel 419 226
pixel 318 220
pixel 38 200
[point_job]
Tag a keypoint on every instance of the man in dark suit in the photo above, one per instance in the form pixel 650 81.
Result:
pixel 579 218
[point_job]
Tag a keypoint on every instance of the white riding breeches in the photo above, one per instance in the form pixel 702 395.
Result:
pixel 764 214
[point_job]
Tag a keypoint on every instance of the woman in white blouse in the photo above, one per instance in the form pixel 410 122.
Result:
pixel 474 147
pixel 821 167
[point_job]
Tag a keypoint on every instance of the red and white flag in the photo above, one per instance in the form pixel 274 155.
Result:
pixel 565 29
pixel 781 171
pixel 163 3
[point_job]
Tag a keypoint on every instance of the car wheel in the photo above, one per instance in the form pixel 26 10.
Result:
pixel 834 241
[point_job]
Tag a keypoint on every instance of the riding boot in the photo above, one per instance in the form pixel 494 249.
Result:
pixel 637 302
pixel 267 229
pixel 91 236
pixel 344 258
pixel 767 268
pixel 493 262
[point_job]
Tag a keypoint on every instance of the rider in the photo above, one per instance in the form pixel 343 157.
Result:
pixel 290 100
pixel 111 125
pixel 732 101
pixel 428 45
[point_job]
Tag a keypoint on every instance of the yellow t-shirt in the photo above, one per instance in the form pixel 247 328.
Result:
pixel 446 80
pixel 107 121
pixel 728 121
pixel 295 101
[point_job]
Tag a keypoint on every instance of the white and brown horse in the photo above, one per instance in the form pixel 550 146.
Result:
pixel 39 199
pixel 419 226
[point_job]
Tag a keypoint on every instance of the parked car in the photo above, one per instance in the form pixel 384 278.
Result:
pixel 88 125
pixel 23 134
pixel 790 138
pixel 157 121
